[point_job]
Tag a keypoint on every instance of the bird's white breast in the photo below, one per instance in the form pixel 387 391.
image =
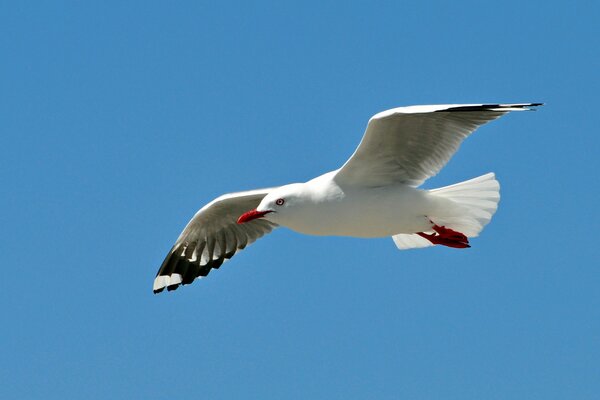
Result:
pixel 329 209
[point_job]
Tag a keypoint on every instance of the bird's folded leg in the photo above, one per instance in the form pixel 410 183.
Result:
pixel 446 237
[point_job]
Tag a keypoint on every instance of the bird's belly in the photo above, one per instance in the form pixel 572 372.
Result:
pixel 376 213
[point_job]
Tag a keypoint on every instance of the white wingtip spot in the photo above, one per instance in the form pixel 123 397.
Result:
pixel 175 279
pixel 161 282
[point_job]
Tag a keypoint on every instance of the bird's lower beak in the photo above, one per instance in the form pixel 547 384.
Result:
pixel 250 215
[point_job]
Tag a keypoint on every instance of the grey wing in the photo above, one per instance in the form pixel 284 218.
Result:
pixel 410 144
pixel 212 236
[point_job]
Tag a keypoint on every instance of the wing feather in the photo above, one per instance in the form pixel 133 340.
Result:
pixel 211 237
pixel 410 144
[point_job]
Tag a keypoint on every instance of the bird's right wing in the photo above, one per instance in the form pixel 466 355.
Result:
pixel 212 236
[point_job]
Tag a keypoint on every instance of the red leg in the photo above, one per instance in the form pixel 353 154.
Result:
pixel 446 237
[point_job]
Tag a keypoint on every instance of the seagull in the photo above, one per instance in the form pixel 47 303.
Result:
pixel 374 194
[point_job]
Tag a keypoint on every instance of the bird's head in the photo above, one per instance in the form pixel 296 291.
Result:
pixel 277 205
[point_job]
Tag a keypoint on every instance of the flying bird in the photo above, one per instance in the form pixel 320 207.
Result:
pixel 374 194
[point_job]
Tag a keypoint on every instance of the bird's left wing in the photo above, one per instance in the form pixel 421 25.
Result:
pixel 212 236
pixel 410 144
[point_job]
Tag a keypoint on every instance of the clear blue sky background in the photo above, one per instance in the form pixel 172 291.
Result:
pixel 120 119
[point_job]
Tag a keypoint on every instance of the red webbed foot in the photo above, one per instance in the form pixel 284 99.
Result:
pixel 446 237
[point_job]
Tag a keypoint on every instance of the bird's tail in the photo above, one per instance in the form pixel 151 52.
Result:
pixel 476 200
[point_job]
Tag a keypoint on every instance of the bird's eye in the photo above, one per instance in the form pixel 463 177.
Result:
pixel 279 202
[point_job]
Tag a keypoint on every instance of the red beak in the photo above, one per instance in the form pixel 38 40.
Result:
pixel 250 215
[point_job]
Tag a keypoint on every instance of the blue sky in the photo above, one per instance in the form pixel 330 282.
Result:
pixel 120 119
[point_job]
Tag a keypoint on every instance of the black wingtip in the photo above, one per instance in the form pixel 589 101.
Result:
pixel 157 291
pixel 492 107
pixel 530 105
pixel 170 288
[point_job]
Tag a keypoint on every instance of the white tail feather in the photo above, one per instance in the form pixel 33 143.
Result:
pixel 405 241
pixel 476 201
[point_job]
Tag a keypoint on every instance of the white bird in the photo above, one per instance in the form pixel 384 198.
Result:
pixel 374 194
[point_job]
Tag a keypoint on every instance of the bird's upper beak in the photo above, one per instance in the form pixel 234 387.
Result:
pixel 252 214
